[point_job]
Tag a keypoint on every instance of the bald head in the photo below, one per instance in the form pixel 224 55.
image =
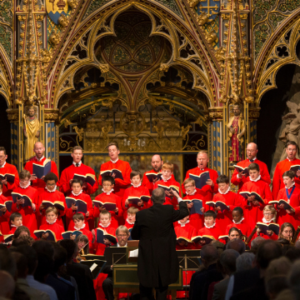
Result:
pixel 39 149
pixel 251 150
pixel 158 196
pixel 7 285
pixel 156 162
pixel 202 159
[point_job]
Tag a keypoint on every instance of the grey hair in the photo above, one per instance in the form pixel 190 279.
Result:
pixel 245 261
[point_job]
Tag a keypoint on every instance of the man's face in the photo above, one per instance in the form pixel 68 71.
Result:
pixel 31 112
pixel 122 238
pixel 251 151
pixel 3 158
pixel 156 163
pixel 236 110
pixel 291 151
pixel 202 160
pixel 77 156
pixel 113 152
pixel 39 150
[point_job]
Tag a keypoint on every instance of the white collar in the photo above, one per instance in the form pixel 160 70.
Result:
pixel 25 187
pixel 254 159
pixel 131 223
pixel 0 193
pixel 121 246
pixel 114 161
pixel 202 168
pixel 255 180
pixel 290 159
pixel 3 165
pixel 79 164
pixel 193 193
pixel 239 222
pixel 290 186
pixel 50 223
pixel 136 186
pixel 265 221
pixel 212 226
pixel 15 225
pixel 183 224
pixel 108 193
pixel 165 180
pixel 39 159
pixel 103 225
pixel 224 192
pixel 79 228
pixel 54 190
pixel 77 194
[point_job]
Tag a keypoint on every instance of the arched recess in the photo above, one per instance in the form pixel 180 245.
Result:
pixel 5 77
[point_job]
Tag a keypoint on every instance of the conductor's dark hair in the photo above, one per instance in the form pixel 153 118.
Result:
pixel 108 178
pixel 239 210
pixel 222 179
pixel 210 213
pixel 287 144
pixel 254 166
pixel 50 176
pixel 158 195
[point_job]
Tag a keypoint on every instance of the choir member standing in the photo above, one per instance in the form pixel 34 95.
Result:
pixel 81 169
pixel 210 185
pixel 15 222
pixel 8 175
pixel 131 214
pixel 285 165
pixel 269 216
pixel 120 170
pixel 239 178
pixel 4 212
pixel 254 205
pixel 291 194
pixel 25 208
pixel 39 159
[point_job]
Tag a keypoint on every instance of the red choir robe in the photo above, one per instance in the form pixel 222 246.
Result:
pixel 128 224
pixel 207 189
pixel 56 228
pixel 100 248
pixel 4 218
pixel 232 200
pixel 282 167
pixel 264 172
pixel 273 237
pixel 68 174
pixel 215 231
pixel 243 226
pixel 282 215
pixel 187 231
pixel 111 198
pixel 124 168
pixel 147 183
pixel 54 196
pixel 7 189
pixel 254 213
pixel 70 213
pixel 39 183
pixel 166 183
pixel 28 214
pixel 135 192
pixel 196 220
pixel 13 229
pixel 86 232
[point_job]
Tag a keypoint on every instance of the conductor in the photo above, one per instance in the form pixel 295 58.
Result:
pixel 157 261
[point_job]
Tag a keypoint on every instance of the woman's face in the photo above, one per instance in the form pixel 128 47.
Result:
pixel 287 233
pixel 80 244
pixel 234 235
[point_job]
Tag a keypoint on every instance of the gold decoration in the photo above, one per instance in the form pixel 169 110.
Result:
pixel 72 3
pixel 104 68
pixel 63 21
pixel 203 18
pixel 54 38
pixel 193 3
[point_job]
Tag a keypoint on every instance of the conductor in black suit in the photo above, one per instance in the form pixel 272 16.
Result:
pixel 157 261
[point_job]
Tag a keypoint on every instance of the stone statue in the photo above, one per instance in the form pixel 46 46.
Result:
pixel 236 128
pixel 31 131
pixel 291 130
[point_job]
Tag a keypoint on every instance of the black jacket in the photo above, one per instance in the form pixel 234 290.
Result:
pixel 157 262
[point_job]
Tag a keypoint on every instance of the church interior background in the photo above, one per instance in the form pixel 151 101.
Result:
pixel 158 76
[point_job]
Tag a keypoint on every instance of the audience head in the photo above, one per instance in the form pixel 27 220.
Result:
pixel 21 264
pixel 294 279
pixel 209 218
pixel 156 162
pixel 31 257
pixel 105 217
pixel 59 259
pixel 228 261
pixel 39 149
pixel 237 214
pixel 167 170
pixel 251 151
pixel 82 242
pixel 297 244
pixel 44 247
pixel 209 255
pixel 113 150
pixel 253 171
pixel 7 285
pixel 77 153
pixel 122 234
pixel 256 243
pixel 71 248
pixel 291 149
pixel 108 183
pixel 136 178
pixel 245 261
pixel 7 262
pixel 21 231
pixel 237 245
pixel 286 232
pixel 234 234
pixel 16 219
pixel 24 176
pixel 292 254
pixel 158 196
pixel 202 159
